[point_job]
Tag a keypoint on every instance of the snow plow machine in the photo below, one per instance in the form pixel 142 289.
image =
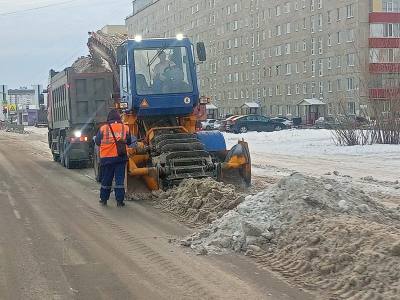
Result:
pixel 157 92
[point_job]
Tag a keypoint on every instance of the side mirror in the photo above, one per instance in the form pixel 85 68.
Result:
pixel 201 51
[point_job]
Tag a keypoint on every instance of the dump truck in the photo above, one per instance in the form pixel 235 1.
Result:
pixel 158 95
pixel 79 99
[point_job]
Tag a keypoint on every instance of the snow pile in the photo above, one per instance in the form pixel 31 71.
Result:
pixel 330 231
pixel 86 64
pixel 199 201
pixel 304 142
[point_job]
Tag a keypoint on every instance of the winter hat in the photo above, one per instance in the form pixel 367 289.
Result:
pixel 113 116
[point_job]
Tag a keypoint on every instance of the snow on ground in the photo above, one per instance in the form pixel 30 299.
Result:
pixel 305 142
pixel 314 152
pixel 42 131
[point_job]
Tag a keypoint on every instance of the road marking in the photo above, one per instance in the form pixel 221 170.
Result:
pixel 17 215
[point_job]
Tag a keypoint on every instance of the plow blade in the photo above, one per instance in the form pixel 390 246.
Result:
pixel 236 169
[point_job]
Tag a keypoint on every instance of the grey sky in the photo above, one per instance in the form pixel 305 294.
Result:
pixel 32 42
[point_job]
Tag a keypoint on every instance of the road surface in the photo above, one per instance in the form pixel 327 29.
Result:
pixel 56 242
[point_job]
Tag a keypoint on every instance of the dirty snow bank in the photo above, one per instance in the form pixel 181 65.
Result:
pixel 198 202
pixel 304 142
pixel 336 234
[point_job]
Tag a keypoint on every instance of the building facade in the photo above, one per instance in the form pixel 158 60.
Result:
pixel 26 98
pixel 275 54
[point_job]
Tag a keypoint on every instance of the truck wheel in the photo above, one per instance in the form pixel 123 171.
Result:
pixel 56 157
pixel 61 150
pixel 243 129
pixel 67 161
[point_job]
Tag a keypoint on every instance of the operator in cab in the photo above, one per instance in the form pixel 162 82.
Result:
pixel 113 139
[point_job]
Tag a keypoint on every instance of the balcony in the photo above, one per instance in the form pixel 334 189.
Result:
pixel 384 93
pixel 386 42
pixel 379 68
pixel 384 17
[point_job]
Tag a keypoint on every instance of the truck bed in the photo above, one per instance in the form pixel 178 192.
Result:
pixel 79 98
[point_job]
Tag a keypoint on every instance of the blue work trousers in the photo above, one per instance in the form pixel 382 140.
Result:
pixel 110 171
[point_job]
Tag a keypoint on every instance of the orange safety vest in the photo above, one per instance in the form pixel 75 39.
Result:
pixel 108 148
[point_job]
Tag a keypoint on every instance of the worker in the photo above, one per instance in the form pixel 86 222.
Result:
pixel 113 139
pixel 159 70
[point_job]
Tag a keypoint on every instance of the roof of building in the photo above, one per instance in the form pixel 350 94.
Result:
pixel 309 102
pixel 21 92
pixel 251 105
pixel 211 106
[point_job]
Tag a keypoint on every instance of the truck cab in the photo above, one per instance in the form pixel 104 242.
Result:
pixel 158 76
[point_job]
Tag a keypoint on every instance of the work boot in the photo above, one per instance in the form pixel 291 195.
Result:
pixel 120 204
pixel 103 202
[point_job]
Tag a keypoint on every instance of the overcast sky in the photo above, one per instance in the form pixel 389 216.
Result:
pixel 35 38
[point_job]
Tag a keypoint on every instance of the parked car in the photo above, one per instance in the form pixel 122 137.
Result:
pixel 328 122
pixel 243 124
pixel 217 125
pixel 286 123
pixel 223 123
pixel 208 124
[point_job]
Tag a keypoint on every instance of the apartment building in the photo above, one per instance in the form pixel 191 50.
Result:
pixel 24 97
pixel 296 57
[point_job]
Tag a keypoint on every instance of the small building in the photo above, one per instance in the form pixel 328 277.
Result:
pixel 212 111
pixel 250 108
pixel 311 110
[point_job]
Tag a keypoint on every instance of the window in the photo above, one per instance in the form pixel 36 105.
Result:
pixel 351 59
pixel 313 46
pixel 329 40
pixel 338 37
pixel 349 11
pixel 305 88
pixel 289 89
pixel 350 83
pixel 287 28
pixel 329 86
pixel 339 84
pixel 321 67
pixel 351 108
pixel 278 30
pixel 320 22
pixel 278 90
pixel 287 49
pixel 320 46
pixel 277 10
pixel 286 7
pixel 338 14
pixel 329 18
pixel 297 89
pixel 321 87
pixel 329 63
pixel 313 67
pixel 288 69
pixel 350 35
pixel 338 61
pixel 168 72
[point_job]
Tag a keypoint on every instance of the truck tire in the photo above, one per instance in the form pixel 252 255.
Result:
pixel 62 150
pixel 67 162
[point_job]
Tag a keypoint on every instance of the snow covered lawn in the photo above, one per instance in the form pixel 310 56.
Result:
pixel 314 152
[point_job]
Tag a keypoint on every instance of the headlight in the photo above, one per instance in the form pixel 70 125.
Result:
pixel 123 105
pixel 77 133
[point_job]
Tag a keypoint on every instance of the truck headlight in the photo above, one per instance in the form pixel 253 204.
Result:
pixel 77 133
